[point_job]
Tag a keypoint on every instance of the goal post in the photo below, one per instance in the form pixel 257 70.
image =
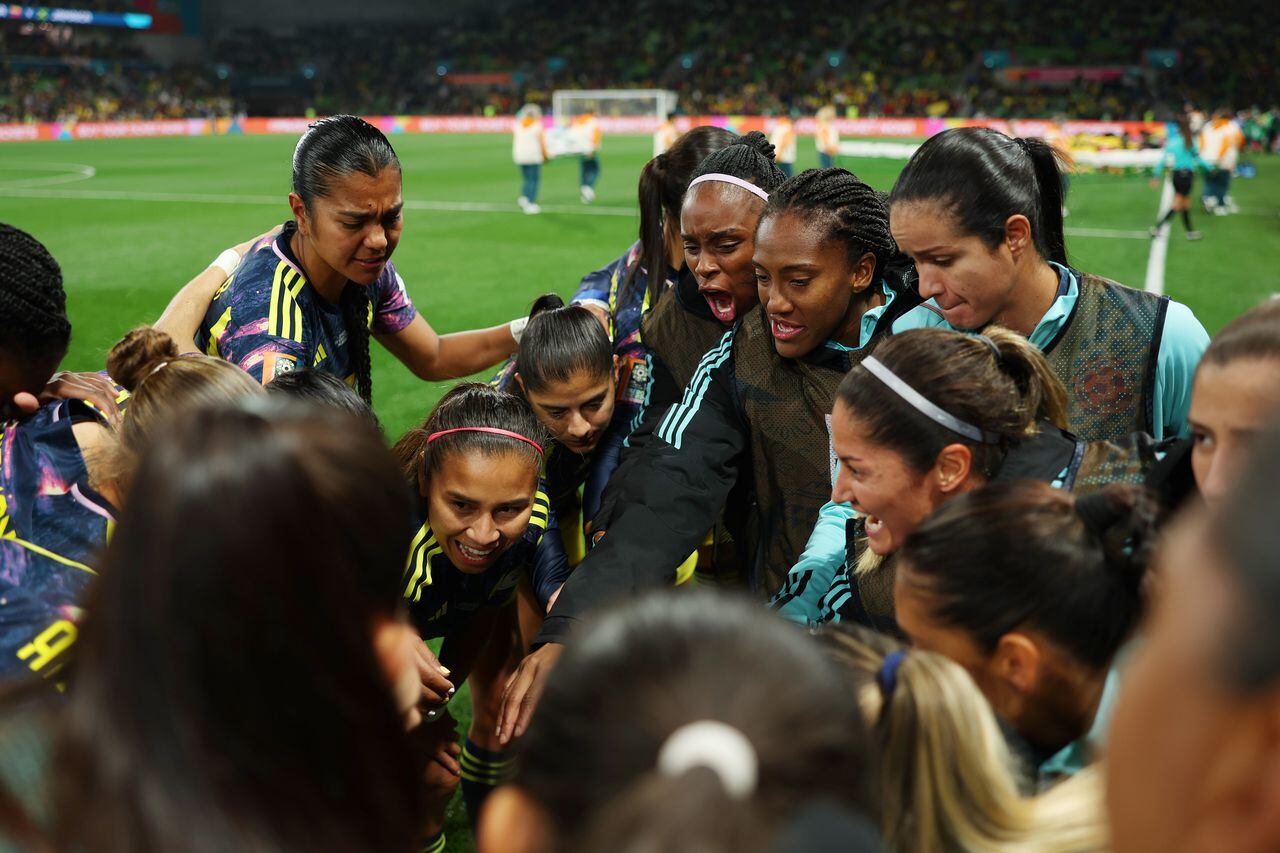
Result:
pixel 613 103
pixel 616 111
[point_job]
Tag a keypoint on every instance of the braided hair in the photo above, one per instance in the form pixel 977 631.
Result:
pixel 852 212
pixel 33 305
pixel 750 157
pixel 663 182
pixel 333 148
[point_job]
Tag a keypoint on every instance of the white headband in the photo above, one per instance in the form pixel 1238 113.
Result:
pixel 717 746
pixel 730 179
pixel 924 406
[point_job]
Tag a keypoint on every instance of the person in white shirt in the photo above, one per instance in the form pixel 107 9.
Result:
pixel 529 150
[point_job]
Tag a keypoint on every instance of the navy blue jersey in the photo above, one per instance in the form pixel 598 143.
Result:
pixel 45 497
pixel 625 301
pixel 268 319
pixel 39 608
pixel 442 599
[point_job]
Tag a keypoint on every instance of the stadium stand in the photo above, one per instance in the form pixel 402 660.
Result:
pixel 935 57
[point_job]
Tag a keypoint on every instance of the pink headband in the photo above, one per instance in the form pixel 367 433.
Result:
pixel 730 179
pixel 493 430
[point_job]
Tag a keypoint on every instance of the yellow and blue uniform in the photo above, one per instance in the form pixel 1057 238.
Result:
pixel 443 599
pixel 40 593
pixel 625 301
pixel 45 496
pixel 268 319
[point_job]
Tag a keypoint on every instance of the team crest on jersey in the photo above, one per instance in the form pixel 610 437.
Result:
pixel 277 364
pixel 633 384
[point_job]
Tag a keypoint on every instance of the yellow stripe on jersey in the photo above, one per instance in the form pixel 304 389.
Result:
pixel 284 317
pixel 541 510
pixel 57 558
pixel 215 332
pixel 294 282
pixel 275 319
pixel 320 355
pixel 417 569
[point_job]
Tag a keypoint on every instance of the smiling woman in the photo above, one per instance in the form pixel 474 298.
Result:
pixel 485 529
pixel 313 295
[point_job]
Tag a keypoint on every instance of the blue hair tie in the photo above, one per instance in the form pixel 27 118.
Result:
pixel 888 675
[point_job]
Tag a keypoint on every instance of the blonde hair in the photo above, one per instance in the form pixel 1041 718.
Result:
pixel 948 779
pixel 826 113
pixel 162 383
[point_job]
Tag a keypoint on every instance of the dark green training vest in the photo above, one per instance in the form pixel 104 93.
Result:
pixel 787 407
pixel 678 333
pixel 1106 355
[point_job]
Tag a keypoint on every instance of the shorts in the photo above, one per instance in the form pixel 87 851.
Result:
pixel 1182 181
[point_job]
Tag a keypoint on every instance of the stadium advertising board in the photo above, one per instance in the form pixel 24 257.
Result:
pixel 905 128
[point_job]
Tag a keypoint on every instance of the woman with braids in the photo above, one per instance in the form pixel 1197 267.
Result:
pixel 661 327
pixel 931 415
pixel 619 294
pixel 485 529
pixel 981 216
pixel 710 209
pixel 313 295
pixel 1034 592
pixel 755 415
pixel 45 494
pixel 623 291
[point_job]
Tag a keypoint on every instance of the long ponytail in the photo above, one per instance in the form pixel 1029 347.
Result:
pixel 997 382
pixel 1049 179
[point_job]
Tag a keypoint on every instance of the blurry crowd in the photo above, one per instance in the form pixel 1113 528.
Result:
pixel 936 57
pixel 75 76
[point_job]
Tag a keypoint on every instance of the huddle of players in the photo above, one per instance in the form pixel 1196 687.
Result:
pixel 768 387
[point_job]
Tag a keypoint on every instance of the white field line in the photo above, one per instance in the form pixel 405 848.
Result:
pixel 19 191
pixel 1160 243
pixel 70 173
pixel 1107 232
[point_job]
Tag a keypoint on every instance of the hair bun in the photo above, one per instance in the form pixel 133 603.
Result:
pixel 1124 518
pixel 138 354
pixel 758 142
pixel 544 303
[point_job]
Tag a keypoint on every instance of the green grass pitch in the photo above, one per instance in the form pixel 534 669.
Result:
pixel 156 211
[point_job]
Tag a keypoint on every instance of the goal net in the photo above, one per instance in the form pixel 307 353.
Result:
pixel 653 104
pixel 615 110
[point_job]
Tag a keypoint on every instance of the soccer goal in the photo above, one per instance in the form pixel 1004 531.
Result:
pixel 613 103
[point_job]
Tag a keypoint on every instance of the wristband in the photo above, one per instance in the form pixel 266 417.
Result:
pixel 517 327
pixel 227 261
